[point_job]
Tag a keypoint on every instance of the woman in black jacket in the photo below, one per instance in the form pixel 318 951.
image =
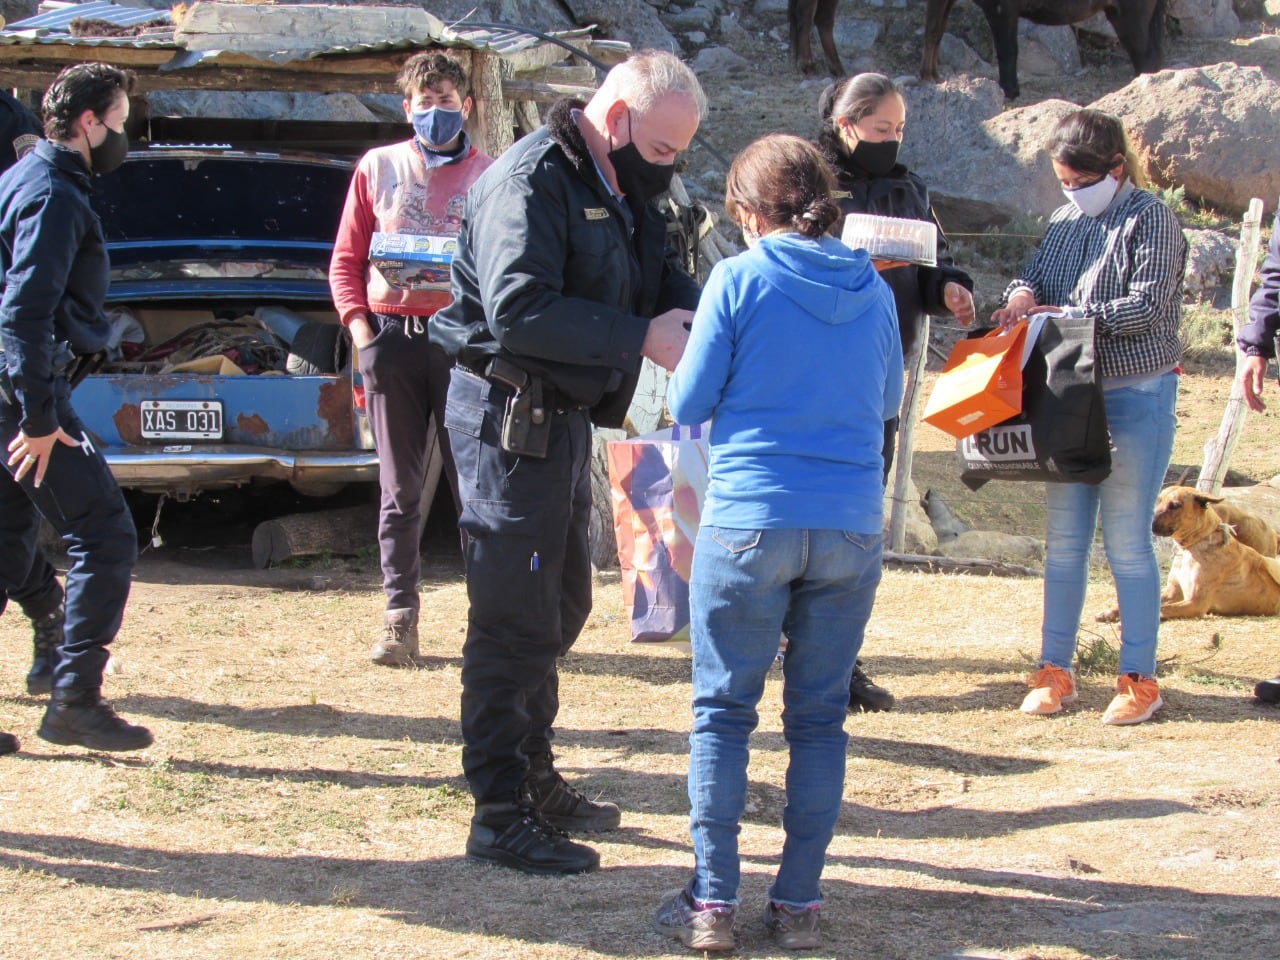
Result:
pixel 862 122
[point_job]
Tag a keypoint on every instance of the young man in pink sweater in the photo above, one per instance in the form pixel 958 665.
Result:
pixel 390 272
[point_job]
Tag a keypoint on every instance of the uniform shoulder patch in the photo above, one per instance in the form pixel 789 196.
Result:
pixel 841 195
pixel 595 213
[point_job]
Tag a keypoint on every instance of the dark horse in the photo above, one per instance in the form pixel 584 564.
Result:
pixel 1138 23
pixel 802 17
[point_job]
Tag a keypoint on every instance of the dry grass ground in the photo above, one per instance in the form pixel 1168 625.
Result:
pixel 300 802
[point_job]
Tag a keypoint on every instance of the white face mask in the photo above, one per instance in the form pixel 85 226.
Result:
pixel 1095 198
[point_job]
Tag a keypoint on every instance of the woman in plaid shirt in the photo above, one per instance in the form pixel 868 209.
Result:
pixel 1116 254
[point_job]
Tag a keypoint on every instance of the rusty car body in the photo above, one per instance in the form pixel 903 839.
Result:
pixel 209 239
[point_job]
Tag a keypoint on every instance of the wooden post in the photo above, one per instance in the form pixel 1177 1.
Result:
pixel 906 439
pixel 1218 449
pixel 494 119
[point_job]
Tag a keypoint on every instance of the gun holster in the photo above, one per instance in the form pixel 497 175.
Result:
pixel 526 421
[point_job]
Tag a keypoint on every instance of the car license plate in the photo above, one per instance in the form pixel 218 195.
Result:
pixel 182 419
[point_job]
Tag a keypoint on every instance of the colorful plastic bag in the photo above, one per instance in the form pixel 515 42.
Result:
pixel 658 482
pixel 981 383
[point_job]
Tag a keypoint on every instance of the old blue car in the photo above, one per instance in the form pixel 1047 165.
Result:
pixel 231 367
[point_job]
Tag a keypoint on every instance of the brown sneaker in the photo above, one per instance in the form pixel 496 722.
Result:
pixel 699 926
pixel 794 928
pixel 1137 699
pixel 1051 687
pixel 398 645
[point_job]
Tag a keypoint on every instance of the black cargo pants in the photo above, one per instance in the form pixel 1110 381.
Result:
pixel 82 501
pixel 525 521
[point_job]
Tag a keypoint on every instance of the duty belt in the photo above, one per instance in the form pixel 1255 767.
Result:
pixel 503 372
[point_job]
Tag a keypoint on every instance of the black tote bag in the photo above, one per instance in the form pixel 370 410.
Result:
pixel 1061 435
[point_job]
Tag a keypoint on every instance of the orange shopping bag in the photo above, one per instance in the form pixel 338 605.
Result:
pixel 981 383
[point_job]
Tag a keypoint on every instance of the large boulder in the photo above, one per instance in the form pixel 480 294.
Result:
pixel 983 166
pixel 637 23
pixel 993 545
pixel 1047 51
pixel 1211 262
pixel 957 57
pixel 1212 130
pixel 1205 18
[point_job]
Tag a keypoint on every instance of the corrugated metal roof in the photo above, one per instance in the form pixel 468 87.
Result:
pixel 112 13
pixel 52 28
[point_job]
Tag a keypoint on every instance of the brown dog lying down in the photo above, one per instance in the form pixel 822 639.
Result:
pixel 1225 562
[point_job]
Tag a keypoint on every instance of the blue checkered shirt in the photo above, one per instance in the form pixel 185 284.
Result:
pixel 1124 269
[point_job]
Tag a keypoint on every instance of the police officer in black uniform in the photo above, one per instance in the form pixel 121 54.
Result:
pixel 562 284
pixel 40 597
pixel 55 275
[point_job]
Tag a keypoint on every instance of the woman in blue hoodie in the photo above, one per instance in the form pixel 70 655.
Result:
pixel 795 356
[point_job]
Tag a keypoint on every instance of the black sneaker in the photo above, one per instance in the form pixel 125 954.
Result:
pixel 46 638
pixel 84 719
pixel 865 695
pixel 8 743
pixel 516 836
pixel 1268 691
pixel 562 804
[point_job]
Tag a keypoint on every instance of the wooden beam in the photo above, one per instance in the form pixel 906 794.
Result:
pixel 493 121
pixel 543 92
pixel 375 73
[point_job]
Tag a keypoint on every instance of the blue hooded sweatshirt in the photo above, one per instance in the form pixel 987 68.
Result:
pixel 795 356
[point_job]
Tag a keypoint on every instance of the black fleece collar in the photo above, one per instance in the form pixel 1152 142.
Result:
pixel 565 133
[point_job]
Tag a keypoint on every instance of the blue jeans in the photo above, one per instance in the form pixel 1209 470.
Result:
pixel 746 589
pixel 1141 421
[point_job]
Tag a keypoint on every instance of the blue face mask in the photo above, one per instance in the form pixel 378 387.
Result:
pixel 437 126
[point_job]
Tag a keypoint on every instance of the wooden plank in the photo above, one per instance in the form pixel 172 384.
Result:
pixel 609 52
pixel 544 92
pixel 574 75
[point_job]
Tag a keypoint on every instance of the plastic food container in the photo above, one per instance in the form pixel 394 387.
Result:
pixel 891 238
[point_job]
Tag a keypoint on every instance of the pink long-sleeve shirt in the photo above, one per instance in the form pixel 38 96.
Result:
pixel 394 191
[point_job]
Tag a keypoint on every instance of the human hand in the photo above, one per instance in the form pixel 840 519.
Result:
pixel 1252 374
pixel 361 330
pixel 35 452
pixel 960 302
pixel 666 338
pixel 1017 307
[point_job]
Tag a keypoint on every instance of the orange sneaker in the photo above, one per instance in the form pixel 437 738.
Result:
pixel 1137 698
pixel 1051 687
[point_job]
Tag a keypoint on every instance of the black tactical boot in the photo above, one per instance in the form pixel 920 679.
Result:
pixel 8 743
pixel 81 718
pixel 865 695
pixel 562 805
pixel 515 835
pixel 46 638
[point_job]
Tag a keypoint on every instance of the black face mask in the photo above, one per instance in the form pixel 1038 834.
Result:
pixel 110 153
pixel 639 179
pixel 876 158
